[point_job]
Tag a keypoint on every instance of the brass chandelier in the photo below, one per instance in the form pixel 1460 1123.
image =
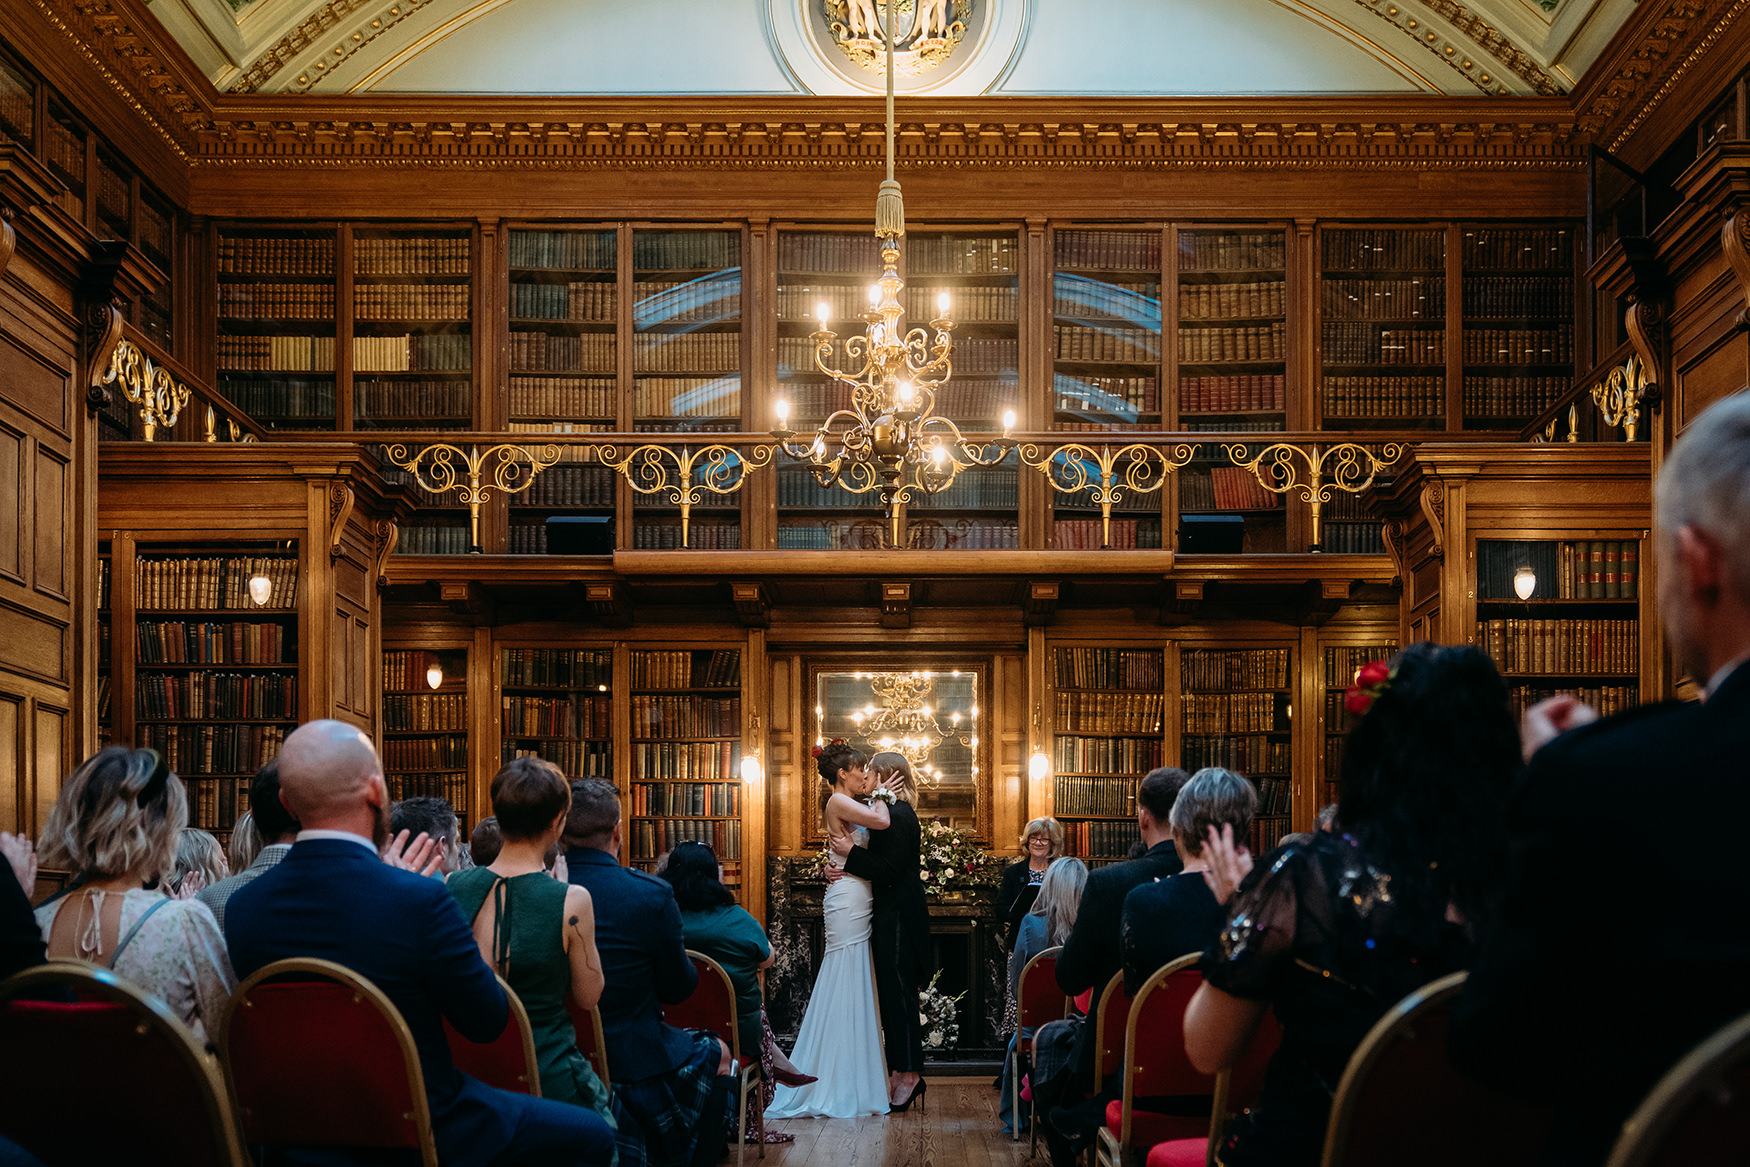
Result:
pixel 892 439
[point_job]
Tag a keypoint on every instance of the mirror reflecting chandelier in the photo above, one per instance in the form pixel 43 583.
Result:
pixel 905 722
pixel 891 440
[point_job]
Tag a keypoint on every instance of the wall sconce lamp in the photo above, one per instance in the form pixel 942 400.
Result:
pixel 434 674
pixel 260 589
pixel 1038 766
pixel 1524 583
pixel 750 769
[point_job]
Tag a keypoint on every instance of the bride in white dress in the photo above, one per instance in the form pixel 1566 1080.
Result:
pixel 840 1042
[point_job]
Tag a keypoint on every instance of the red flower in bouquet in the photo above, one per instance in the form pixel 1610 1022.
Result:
pixel 1371 679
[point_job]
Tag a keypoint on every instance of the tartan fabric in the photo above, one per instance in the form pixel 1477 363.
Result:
pixel 660 1117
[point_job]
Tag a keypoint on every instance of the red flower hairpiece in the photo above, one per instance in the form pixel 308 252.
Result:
pixel 837 741
pixel 1371 679
pixel 818 751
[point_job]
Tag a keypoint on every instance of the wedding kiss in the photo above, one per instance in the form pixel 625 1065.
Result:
pixel 877 947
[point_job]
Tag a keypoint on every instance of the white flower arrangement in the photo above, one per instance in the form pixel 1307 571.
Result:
pixel 938 1014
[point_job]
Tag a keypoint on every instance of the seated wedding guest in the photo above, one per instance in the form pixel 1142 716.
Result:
pixel 1555 1005
pixel 115 827
pixel 713 924
pixel 333 898
pixel 1041 842
pixel 1327 818
pixel 436 820
pixel 1178 915
pixel 1047 924
pixel 537 932
pixel 1332 932
pixel 485 841
pixel 1092 956
pixel 200 863
pixel 673 1083
pixel 244 844
pixel 21 941
pixel 273 821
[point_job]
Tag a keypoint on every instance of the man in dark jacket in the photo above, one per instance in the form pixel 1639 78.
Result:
pixel 1592 983
pixel 333 898
pixel 671 1082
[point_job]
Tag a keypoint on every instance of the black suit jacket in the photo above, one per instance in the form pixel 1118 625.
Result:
pixel 1596 977
pixel 890 863
pixel 21 941
pixel 335 900
pixel 1092 954
pixel 644 963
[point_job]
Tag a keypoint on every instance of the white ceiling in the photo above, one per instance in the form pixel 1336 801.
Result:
pixel 1069 47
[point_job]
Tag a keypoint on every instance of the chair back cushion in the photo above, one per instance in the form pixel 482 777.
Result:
pixel 1246 1076
pixel 162 1091
pixel 508 1061
pixel 590 1042
pixel 1114 1015
pixel 1155 1043
pixel 1400 1100
pixel 1037 997
pixel 711 1006
pixel 319 1064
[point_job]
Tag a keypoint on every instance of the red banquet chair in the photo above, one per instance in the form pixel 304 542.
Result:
pixel 318 1056
pixel 712 1008
pixel 508 1061
pixel 591 1042
pixel 1236 1089
pixel 1110 1021
pixel 1699 1113
pixel 1155 1065
pixel 1400 1100
pixel 1037 1000
pixel 169 1094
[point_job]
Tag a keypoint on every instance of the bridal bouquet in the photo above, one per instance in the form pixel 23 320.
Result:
pixel 939 1015
pixel 948 858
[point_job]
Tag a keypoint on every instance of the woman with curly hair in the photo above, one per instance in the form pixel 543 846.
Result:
pixel 1333 930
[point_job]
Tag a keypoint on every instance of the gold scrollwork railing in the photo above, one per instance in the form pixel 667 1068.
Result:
pixel 1620 394
pixel 159 396
pixel 440 468
pixel 1074 467
pixel 715 469
pixel 1346 467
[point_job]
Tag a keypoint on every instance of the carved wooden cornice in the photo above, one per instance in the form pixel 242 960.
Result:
pixel 1648 58
pixel 1502 53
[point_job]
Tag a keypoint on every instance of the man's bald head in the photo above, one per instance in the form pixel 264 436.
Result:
pixel 329 770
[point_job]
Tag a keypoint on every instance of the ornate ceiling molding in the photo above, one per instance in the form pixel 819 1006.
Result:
pixel 1446 46
pixel 1653 55
pixel 292 53
pixel 1493 41
pixel 759 144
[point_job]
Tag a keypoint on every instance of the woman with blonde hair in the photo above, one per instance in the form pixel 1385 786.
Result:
pixel 1041 843
pixel 115 827
pixel 200 863
pixel 1046 925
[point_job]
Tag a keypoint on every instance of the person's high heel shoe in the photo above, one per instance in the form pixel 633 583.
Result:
pixel 917 1096
pixel 793 1078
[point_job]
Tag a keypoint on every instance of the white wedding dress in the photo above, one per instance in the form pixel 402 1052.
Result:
pixel 840 1042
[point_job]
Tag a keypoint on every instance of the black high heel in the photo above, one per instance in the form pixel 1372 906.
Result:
pixel 917 1096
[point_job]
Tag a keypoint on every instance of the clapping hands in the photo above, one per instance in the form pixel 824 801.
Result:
pixel 1229 862
pixel 1552 717
pixel 20 855
pixel 423 857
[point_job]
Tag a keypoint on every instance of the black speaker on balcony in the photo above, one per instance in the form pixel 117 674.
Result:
pixel 1211 534
pixel 580 535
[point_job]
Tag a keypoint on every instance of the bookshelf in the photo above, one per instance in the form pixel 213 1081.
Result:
pixel 557 704
pixel 686 364
pixel 215 676
pixel 1518 304
pixel 1106 365
pixel 115 196
pixel 18 91
pixel 105 669
pixel 1579 631
pixel 564 373
pixel 424 741
pixel 276 324
pixel 1382 313
pixel 1234 712
pixel 64 150
pixel 1341 663
pixel 686 755
pixel 412 343
pixel 154 232
pixel 1108 731
pixel 835 269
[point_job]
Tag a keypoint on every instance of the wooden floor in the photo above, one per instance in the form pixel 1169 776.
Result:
pixel 960 1128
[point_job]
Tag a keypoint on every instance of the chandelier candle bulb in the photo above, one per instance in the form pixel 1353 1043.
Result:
pixel 783 410
pixel 1008 420
pixel 942 304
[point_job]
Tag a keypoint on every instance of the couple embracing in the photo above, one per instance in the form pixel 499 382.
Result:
pixel 877 947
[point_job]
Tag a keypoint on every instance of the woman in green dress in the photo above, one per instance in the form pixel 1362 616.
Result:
pixel 536 931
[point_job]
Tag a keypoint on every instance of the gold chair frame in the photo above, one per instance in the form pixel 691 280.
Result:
pixel 1697 1072
pixel 1015 1060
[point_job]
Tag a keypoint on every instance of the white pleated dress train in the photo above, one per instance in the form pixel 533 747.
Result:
pixel 840 1041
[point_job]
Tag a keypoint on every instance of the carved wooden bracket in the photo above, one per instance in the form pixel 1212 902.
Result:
pixel 1646 332
pixel 1039 601
pixel 752 605
pixel 895 604
pixel 8 238
pixel 1392 535
pixel 1326 597
pixel 340 504
pixel 104 326
pixel 1735 242
pixel 467 598
pixel 611 601
pixel 386 532
pixel 1434 507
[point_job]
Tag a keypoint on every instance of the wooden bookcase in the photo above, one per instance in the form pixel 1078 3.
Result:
pixel 1235 711
pixel 1108 731
pixel 1339 664
pixel 425 735
pixel 685 763
pixel 558 704
pixel 1383 328
pixel 412 344
pixel 276 324
pixel 1518 310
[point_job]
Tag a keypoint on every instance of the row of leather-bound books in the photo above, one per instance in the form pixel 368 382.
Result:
pixel 1108 668
pixel 578 759
pixel 1210 670
pixel 560 668
pixel 1229 712
pixel 1519 346
pixel 1373 344
pixel 411 401
pixel 1224 488
pixel 1562 645
pixel 294 354
pixel 193 696
pixel 212 748
pixel 686 798
pixel 437 352
pixel 1607 699
pixel 451 786
pixel 1373 298
pixel 701 536
pixel 441 752
pixel 213 582
pixel 652 838
pixel 1072 754
pixel 1508 296
pixel 1384 249
pixel 1250 754
pixel 1595 569
pixel 277 301
pixel 540 352
pixel 1078 794
pixel 1512 396
pixel 1253 342
pixel 1100 840
pixel 398 255
pixel 568 716
pixel 691 761
pixel 1383 396
pixel 1121 535
pixel 1108 712
pixel 420 712
pixel 564 397
pixel 275 255
pixel 686 668
pixel 411 302
pixel 579 300
pixel 574 250
pixel 178 642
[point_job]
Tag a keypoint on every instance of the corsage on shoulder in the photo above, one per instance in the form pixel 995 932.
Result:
pixel 882 794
